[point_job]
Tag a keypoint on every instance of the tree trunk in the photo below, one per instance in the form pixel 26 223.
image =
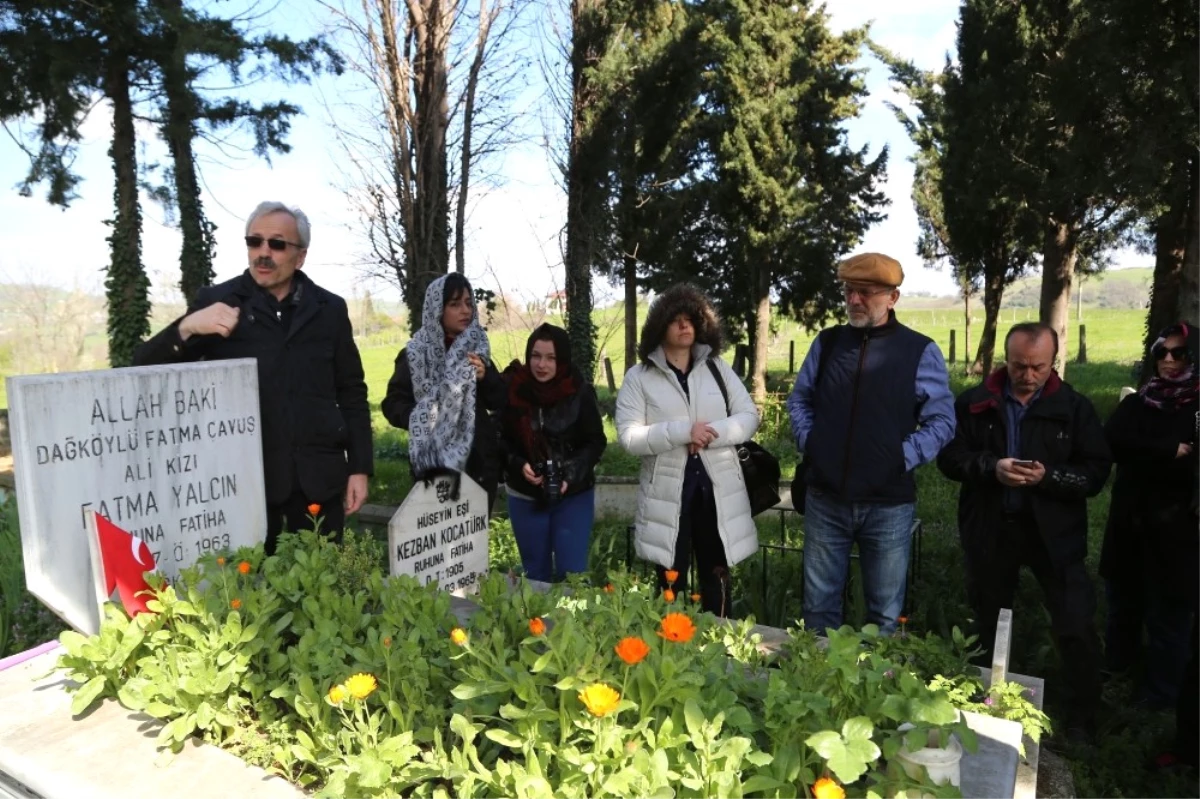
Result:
pixel 584 178
pixel 966 321
pixel 127 286
pixel 762 331
pixel 1059 252
pixel 631 311
pixel 993 294
pixel 1170 242
pixel 1189 284
pixel 197 250
pixel 460 214
pixel 431 207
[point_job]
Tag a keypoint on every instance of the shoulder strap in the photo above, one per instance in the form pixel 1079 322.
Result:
pixel 716 370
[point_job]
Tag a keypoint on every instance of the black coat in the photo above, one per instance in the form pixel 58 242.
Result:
pixel 483 464
pixel 1152 522
pixel 573 432
pixel 312 395
pixel 1060 430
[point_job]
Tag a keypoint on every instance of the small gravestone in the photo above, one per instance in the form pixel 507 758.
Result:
pixel 435 538
pixel 171 454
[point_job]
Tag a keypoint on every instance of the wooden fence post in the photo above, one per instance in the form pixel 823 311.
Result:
pixel 608 372
pixel 1082 357
pixel 952 345
pixel 792 357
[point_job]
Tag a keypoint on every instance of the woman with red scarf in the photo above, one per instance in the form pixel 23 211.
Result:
pixel 553 436
pixel 1151 547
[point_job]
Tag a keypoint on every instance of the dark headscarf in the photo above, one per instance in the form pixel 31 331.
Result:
pixel 525 393
pixel 1167 394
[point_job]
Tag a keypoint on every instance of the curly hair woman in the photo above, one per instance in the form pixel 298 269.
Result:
pixel 671 413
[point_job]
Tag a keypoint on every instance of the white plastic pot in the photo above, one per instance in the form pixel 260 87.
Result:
pixel 942 763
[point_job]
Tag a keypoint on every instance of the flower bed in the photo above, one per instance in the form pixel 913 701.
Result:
pixel 346 683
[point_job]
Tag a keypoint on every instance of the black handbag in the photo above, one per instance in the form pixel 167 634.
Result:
pixel 760 469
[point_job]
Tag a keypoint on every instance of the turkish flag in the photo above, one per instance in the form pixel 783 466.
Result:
pixel 126 560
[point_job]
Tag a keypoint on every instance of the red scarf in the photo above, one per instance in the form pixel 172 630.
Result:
pixel 526 395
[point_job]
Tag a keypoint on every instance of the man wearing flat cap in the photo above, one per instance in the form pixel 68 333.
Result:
pixel 871 403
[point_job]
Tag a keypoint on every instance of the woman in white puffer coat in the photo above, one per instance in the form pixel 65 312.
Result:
pixel 671 413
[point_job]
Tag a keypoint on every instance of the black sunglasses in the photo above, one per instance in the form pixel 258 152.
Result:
pixel 278 245
pixel 1178 353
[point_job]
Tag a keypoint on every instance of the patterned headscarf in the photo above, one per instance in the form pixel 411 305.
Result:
pixel 1170 393
pixel 442 426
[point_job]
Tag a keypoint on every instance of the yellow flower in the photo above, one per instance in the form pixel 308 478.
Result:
pixel 337 694
pixel 599 699
pixel 459 636
pixel 537 627
pixel 632 650
pixel 826 788
pixel 361 685
pixel 244 567
pixel 677 627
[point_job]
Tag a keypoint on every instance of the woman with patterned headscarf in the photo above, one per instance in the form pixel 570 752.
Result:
pixel 1149 559
pixel 443 387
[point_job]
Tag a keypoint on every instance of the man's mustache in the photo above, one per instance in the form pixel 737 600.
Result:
pixel 264 262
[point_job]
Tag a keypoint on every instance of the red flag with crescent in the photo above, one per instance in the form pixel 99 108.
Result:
pixel 126 560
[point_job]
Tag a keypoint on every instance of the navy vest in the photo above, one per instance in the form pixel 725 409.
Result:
pixel 864 407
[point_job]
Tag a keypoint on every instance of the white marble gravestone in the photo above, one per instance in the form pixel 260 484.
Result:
pixel 438 539
pixel 172 454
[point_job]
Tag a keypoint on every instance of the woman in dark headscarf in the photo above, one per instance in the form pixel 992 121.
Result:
pixel 1149 559
pixel 443 386
pixel 553 437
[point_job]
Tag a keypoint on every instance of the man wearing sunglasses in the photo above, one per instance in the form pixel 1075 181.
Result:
pixel 1030 451
pixel 871 403
pixel 316 423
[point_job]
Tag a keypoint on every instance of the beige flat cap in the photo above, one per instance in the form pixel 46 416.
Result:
pixel 871 267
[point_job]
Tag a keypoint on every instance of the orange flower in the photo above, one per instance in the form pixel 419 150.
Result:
pixel 244 567
pixel 236 603
pixel 903 619
pixel 314 509
pixel 677 627
pixel 459 636
pixel 537 627
pixel 608 589
pixel 695 597
pixel 632 650
pixel 669 595
pixel 220 561
pixel 387 642
pixel 672 576
pixel 826 788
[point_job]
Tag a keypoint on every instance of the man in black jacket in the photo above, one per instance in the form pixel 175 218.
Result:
pixel 316 423
pixel 1030 451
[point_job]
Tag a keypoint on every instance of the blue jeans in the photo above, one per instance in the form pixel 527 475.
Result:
pixel 884 536
pixel 553 541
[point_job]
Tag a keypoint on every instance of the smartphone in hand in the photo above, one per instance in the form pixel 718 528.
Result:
pixel 1027 464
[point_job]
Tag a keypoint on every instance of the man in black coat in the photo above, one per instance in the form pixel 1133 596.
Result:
pixel 1030 451
pixel 316 423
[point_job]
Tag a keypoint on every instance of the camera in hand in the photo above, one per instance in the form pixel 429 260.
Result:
pixel 551 474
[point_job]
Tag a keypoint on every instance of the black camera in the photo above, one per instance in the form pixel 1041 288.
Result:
pixel 552 478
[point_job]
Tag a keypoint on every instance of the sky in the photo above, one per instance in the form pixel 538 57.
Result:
pixel 513 238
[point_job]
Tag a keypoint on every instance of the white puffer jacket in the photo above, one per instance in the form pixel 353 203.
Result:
pixel 654 421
